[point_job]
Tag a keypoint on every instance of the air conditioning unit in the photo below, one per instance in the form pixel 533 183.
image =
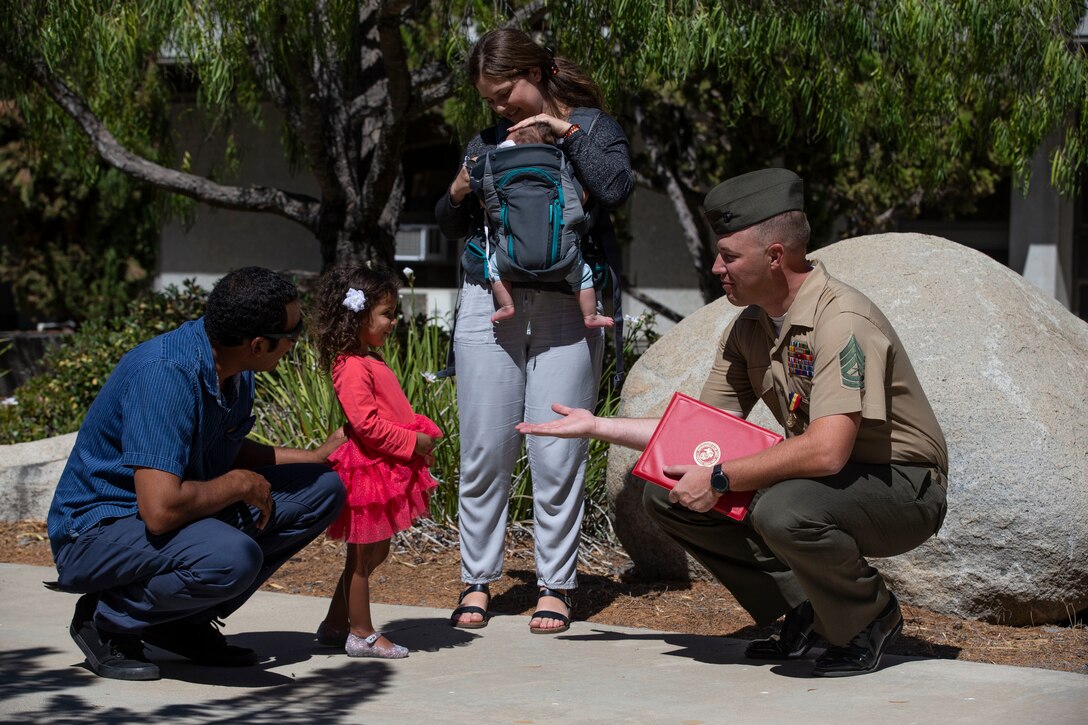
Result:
pixel 421 243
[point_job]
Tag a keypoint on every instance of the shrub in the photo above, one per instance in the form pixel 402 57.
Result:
pixel 295 403
pixel 296 406
pixel 55 401
pixel 419 350
pixel 79 236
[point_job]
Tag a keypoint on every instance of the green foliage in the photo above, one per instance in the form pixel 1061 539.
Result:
pixel 295 403
pixel 347 79
pixel 106 52
pixel 296 406
pixel 419 349
pixel 55 402
pixel 78 245
pixel 881 106
pixel 5 345
pixel 81 237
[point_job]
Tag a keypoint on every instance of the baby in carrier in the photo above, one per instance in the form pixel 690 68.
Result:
pixel 580 278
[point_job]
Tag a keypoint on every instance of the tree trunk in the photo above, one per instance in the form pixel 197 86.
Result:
pixel 348 100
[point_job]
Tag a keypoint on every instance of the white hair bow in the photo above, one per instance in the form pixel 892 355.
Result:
pixel 354 300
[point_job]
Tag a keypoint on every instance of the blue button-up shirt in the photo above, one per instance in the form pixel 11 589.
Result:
pixel 162 408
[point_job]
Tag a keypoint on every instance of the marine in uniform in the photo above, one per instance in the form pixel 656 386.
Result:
pixel 862 472
pixel 803 549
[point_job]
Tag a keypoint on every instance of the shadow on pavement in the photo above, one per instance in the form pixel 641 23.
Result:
pixel 322 695
pixel 715 651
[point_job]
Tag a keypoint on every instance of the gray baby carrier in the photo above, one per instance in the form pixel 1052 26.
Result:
pixel 564 233
pixel 535 220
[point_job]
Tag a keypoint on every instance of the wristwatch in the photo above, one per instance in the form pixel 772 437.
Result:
pixel 719 480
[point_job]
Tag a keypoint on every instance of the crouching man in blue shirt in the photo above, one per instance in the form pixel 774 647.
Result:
pixel 166 516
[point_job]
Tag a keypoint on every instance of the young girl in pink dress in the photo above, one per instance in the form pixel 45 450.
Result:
pixel 384 461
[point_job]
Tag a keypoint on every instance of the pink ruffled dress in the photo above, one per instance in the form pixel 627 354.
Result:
pixel 388 485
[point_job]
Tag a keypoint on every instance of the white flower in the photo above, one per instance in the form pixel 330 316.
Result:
pixel 632 320
pixel 429 376
pixel 408 272
pixel 9 401
pixel 354 300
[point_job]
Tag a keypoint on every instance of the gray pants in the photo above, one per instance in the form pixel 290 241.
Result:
pixel 506 373
pixel 808 539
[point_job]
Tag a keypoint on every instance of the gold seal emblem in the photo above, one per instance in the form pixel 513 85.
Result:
pixel 707 453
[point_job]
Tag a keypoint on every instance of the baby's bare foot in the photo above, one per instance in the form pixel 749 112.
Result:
pixel 503 313
pixel 598 321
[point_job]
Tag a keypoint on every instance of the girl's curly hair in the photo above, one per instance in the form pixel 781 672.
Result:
pixel 336 327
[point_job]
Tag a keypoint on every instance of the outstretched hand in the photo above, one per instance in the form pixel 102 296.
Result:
pixel 574 423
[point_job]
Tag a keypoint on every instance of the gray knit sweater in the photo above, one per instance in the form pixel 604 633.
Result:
pixel 602 163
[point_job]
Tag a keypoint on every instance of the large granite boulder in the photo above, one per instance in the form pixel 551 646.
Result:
pixel 28 475
pixel 1004 367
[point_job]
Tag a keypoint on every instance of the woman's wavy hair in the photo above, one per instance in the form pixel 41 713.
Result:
pixel 509 53
pixel 336 327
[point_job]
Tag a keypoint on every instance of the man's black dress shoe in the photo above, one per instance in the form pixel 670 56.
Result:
pixel 109 654
pixel 202 643
pixel 862 654
pixel 792 641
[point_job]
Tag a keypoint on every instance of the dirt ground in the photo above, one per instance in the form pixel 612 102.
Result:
pixel 424 570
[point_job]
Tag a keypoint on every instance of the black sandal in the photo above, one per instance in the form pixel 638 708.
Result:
pixel 561 595
pixel 470 609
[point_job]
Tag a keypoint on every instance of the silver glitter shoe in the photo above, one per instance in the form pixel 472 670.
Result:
pixel 359 647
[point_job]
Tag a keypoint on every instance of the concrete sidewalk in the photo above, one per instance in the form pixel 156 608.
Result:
pixel 502 674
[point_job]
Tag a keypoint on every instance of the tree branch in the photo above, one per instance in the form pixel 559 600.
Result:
pixel 528 14
pixel 427 98
pixel 650 302
pixel 296 207
pixel 265 70
pixel 692 236
pixel 370 102
pixel 431 73
pixel 885 218
pixel 334 118
pixel 387 57
pixel 431 85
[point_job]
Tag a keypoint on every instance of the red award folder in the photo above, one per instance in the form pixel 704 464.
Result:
pixel 691 431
